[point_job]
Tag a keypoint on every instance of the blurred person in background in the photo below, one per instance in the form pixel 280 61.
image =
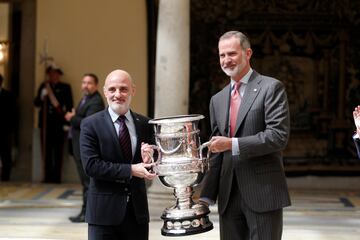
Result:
pixel 90 103
pixel 7 125
pixel 54 98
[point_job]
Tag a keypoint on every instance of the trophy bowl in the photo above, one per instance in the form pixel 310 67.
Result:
pixel 180 165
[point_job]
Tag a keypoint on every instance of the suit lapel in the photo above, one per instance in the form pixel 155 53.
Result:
pixel 109 125
pixel 224 110
pixel 251 92
pixel 137 124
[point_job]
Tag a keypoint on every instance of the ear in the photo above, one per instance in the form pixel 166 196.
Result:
pixel 133 90
pixel 248 53
pixel 104 91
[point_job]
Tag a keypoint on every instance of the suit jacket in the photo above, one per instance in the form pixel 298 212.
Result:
pixel 262 131
pixel 93 104
pixel 104 163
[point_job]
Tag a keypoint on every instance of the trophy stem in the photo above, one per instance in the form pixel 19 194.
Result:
pixel 183 197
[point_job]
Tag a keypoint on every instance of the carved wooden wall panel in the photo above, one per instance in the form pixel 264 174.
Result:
pixel 312 46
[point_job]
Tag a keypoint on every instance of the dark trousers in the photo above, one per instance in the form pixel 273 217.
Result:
pixel 241 223
pixel 5 155
pixel 84 179
pixel 130 229
pixel 53 148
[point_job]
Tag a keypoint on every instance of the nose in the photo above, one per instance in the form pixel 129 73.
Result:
pixel 117 92
pixel 227 60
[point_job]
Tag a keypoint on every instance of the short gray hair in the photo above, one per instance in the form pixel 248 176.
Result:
pixel 244 40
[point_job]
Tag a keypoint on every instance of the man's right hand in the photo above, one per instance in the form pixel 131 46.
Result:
pixel 356 114
pixel 220 144
pixel 141 170
pixel 69 115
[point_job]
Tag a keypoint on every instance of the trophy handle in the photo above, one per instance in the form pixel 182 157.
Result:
pixel 205 145
pixel 171 151
pixel 159 154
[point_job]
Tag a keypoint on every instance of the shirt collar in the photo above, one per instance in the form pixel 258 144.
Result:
pixel 114 116
pixel 245 79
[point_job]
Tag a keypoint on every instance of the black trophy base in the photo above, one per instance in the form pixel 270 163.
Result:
pixel 186 226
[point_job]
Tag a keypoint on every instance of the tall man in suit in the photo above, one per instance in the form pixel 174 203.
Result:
pixel 7 125
pixel 54 98
pixel 110 143
pixel 90 103
pixel 250 119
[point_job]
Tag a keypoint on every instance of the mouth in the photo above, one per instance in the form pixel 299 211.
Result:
pixel 119 101
pixel 231 67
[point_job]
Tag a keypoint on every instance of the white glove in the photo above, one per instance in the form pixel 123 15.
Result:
pixel 43 93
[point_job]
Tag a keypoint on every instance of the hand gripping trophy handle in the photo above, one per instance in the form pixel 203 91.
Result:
pixel 203 146
pixel 151 156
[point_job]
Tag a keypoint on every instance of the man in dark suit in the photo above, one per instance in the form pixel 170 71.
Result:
pixel 356 137
pixel 250 119
pixel 7 124
pixel 90 103
pixel 54 98
pixel 110 143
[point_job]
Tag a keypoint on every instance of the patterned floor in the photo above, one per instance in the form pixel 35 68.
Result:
pixel 39 211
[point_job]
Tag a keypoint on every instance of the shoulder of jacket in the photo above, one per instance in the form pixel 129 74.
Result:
pixel 222 92
pixel 269 81
pixel 140 116
pixel 98 116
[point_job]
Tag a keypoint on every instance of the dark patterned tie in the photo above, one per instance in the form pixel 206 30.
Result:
pixel 124 139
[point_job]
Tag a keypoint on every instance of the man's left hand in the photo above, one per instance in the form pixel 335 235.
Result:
pixel 147 153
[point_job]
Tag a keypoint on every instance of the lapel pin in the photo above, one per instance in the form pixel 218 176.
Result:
pixel 255 89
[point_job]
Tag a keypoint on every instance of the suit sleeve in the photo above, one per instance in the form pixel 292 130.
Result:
pixel 357 145
pixel 92 108
pixel 92 158
pixel 275 135
pixel 211 182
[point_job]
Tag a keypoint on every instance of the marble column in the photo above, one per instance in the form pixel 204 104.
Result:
pixel 172 65
pixel 25 161
pixel 172 58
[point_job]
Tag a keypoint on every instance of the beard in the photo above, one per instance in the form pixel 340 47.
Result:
pixel 231 72
pixel 120 108
pixel 86 92
pixel 236 70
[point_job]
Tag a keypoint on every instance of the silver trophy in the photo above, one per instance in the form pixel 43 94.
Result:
pixel 180 165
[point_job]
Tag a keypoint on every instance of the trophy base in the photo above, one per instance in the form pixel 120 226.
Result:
pixel 186 226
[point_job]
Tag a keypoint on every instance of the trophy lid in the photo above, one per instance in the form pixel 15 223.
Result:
pixel 177 119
